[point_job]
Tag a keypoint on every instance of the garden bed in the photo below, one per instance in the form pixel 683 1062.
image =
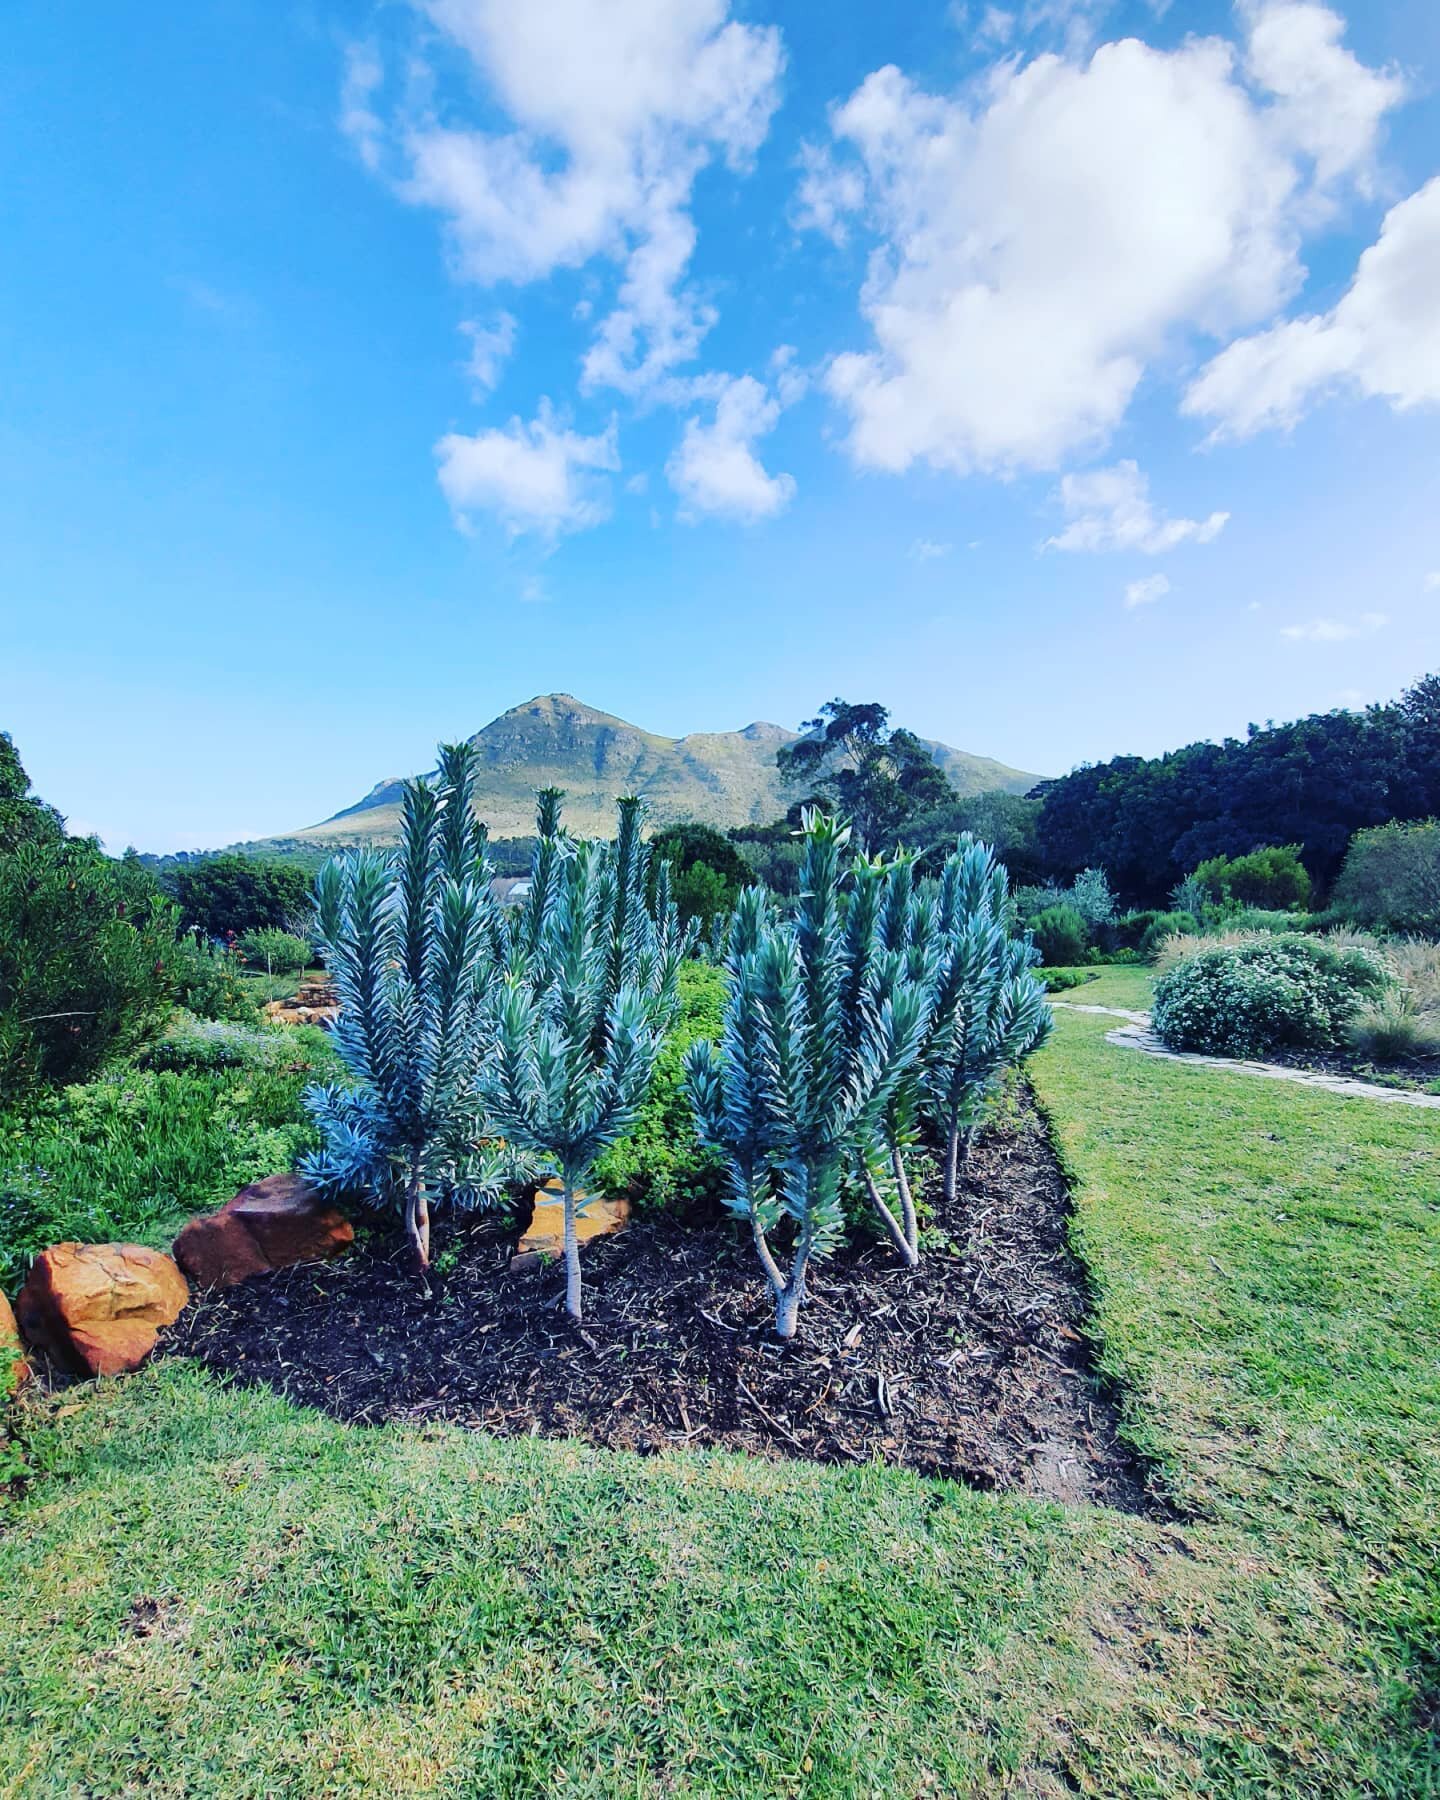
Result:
pixel 1417 1074
pixel 974 1366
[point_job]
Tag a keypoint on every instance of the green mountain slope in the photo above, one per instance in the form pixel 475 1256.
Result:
pixel 721 777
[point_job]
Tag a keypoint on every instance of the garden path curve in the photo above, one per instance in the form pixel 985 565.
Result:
pixel 1136 1034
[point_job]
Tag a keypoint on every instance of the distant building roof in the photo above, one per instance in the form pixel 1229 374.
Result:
pixel 511 890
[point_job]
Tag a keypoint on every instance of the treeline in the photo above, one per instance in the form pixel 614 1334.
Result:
pixel 1150 821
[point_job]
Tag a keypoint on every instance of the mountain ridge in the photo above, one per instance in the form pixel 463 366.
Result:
pixel 723 778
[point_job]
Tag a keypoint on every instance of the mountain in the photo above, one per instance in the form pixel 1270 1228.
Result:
pixel 722 777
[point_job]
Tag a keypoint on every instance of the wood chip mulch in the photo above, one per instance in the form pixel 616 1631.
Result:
pixel 975 1366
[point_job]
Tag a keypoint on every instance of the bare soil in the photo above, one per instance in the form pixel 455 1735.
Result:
pixel 974 1366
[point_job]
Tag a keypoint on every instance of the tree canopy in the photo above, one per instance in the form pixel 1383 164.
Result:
pixel 1151 820
pixel 235 894
pixel 853 761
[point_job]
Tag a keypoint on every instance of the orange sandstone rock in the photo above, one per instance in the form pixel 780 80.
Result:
pixel 99 1307
pixel 10 1340
pixel 271 1224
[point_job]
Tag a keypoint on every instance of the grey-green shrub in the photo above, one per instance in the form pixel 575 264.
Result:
pixel 1278 993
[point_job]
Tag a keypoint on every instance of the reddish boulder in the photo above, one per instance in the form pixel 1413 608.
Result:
pixel 272 1224
pixel 12 1373
pixel 98 1307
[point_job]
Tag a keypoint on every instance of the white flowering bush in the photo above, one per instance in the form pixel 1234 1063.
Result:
pixel 1270 994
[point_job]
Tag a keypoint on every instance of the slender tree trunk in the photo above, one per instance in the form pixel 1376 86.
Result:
pixel 417 1216
pixel 907 1201
pixel 787 1311
pixel 572 1255
pixel 952 1158
pixel 897 1233
pixel 789 1291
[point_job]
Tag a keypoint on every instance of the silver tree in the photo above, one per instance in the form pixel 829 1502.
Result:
pixel 412 942
pixel 580 1021
pixel 990 1008
pixel 818 1030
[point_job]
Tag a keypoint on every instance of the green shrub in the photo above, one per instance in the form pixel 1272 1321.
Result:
pixel 276 952
pixel 208 982
pixel 86 957
pixel 1060 936
pixel 661 1163
pixel 132 1155
pixel 1391 878
pixel 1130 928
pixel 1274 993
pixel 1162 926
pixel 1271 876
pixel 1059 981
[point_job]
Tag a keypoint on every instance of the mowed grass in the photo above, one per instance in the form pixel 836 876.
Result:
pixel 209 1592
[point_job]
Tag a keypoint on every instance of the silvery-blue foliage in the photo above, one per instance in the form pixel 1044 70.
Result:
pixel 582 1014
pixel 990 1008
pixel 821 1022
pixel 414 945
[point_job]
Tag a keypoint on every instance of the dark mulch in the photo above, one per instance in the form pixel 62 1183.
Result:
pixel 1418 1074
pixel 974 1366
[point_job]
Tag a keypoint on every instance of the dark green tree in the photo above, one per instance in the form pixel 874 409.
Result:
pixel 852 761
pixel 231 893
pixel 24 819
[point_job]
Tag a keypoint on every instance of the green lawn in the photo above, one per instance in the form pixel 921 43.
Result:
pixel 210 1593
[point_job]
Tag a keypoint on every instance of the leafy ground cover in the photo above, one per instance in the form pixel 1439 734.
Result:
pixel 136 1153
pixel 209 1591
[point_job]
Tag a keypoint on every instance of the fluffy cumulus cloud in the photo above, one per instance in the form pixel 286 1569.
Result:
pixel 538 476
pixel 715 469
pixel 1381 340
pixel 1149 588
pixel 610 115
pixel 1110 509
pixel 1039 241
pixel 1335 631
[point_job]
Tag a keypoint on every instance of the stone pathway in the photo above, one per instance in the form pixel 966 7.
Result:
pixel 1136 1034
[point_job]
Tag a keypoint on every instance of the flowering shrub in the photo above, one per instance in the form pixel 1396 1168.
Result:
pixel 1275 993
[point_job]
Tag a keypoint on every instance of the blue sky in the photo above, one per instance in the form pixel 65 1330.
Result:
pixel 1063 375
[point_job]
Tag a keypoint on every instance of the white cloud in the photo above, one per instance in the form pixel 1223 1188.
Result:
pixel 1146 590
pixel 1045 237
pixel 362 80
pixel 490 347
pixel 927 550
pixel 1382 340
pixel 1110 509
pixel 714 468
pixel 1335 631
pixel 613 113
pixel 1327 103
pixel 1431 583
pixel 539 476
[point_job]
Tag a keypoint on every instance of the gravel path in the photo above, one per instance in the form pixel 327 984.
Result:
pixel 1136 1034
